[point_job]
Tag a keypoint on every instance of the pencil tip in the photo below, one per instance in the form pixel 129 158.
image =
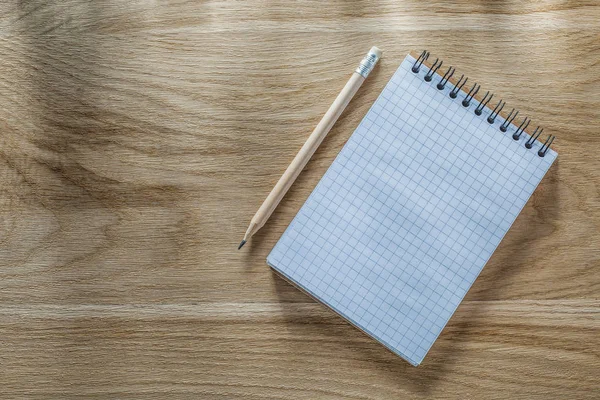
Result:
pixel 241 244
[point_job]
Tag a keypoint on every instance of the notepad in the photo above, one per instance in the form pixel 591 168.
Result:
pixel 414 205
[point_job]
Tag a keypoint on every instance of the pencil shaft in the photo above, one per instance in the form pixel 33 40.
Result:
pixel 306 152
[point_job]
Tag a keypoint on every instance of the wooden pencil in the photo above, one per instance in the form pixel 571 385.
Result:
pixel 313 142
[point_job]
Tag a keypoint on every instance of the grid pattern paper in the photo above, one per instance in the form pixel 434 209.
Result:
pixel 414 205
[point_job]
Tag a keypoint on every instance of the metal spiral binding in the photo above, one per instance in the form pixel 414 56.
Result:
pixel 442 84
pixel 467 101
pixel 546 146
pixel 521 129
pixel 417 65
pixel 509 120
pixel 434 67
pixel 445 78
pixel 536 134
pixel 483 103
pixel 496 111
pixel 458 86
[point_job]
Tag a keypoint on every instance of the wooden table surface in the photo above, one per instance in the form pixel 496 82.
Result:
pixel 137 139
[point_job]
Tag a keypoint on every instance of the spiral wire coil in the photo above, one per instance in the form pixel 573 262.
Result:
pixel 470 95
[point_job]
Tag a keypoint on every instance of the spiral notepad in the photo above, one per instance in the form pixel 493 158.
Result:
pixel 414 205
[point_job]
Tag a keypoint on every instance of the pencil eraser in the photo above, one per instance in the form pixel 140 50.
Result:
pixel 367 63
pixel 375 50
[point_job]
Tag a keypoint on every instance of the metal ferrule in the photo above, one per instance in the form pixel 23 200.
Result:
pixel 367 64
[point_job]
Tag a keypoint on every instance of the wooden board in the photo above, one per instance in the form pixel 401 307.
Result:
pixel 138 138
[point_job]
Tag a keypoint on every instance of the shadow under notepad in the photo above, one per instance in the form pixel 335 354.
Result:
pixel 513 255
pixel 523 243
pixel 337 336
pixel 347 342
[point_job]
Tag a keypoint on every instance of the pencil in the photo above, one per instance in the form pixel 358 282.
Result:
pixel 313 142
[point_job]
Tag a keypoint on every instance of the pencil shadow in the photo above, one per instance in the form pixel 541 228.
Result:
pixel 256 250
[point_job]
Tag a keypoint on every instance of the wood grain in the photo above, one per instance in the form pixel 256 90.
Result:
pixel 138 138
